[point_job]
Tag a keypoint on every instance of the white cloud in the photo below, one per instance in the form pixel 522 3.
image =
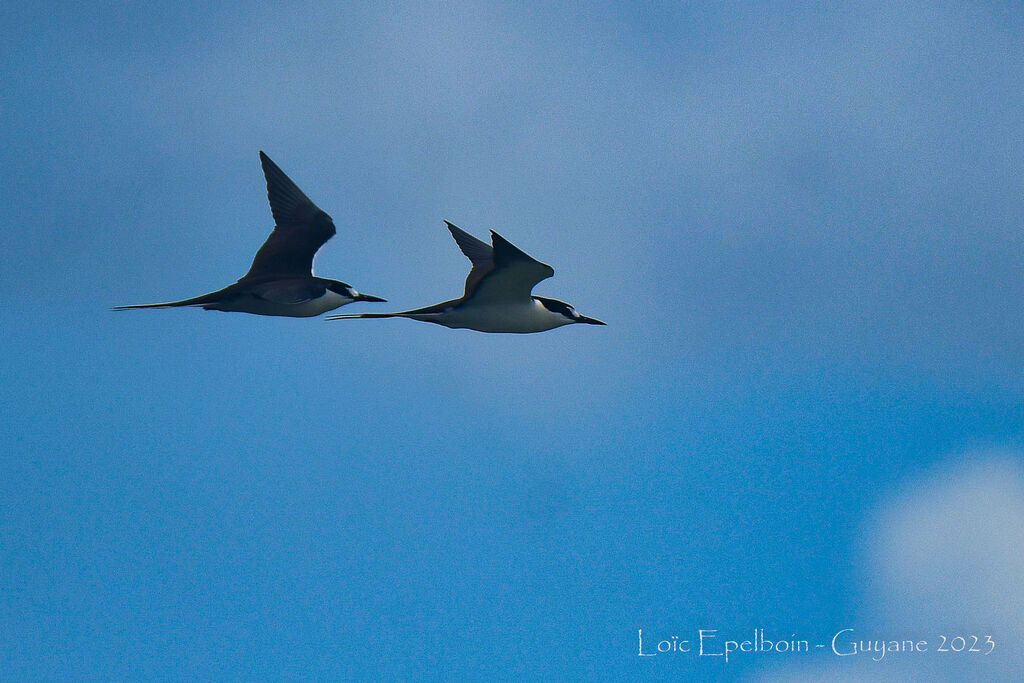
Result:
pixel 950 550
pixel 944 558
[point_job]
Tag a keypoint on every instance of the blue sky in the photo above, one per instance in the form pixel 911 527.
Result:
pixel 802 226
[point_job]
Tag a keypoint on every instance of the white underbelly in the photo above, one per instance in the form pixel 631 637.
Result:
pixel 514 319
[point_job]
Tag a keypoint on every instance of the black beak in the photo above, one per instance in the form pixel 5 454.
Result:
pixel 589 321
pixel 368 297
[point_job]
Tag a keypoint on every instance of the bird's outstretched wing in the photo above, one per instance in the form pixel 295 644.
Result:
pixel 477 251
pixel 301 228
pixel 514 275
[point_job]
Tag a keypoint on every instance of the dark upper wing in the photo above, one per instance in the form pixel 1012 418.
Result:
pixel 289 291
pixel 301 228
pixel 478 251
pixel 514 275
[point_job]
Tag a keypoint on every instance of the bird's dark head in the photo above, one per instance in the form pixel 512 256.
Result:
pixel 567 311
pixel 350 293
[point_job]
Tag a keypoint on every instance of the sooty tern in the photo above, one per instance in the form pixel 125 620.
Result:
pixel 498 293
pixel 280 280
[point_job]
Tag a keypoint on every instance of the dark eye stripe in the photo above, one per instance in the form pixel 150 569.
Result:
pixel 340 288
pixel 556 306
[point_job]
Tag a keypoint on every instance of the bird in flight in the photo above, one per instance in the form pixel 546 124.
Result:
pixel 498 296
pixel 280 280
